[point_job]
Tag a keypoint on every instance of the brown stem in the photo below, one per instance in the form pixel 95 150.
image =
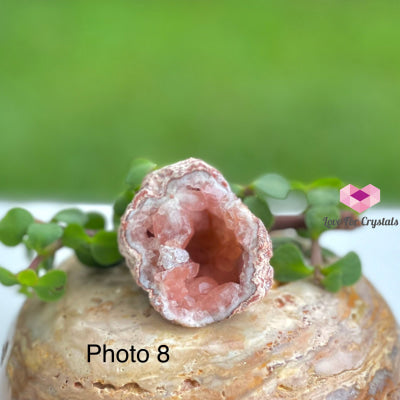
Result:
pixel 288 221
pixel 316 254
pixel 316 259
pixel 35 262
pixel 298 221
pixel 49 251
pixel 248 191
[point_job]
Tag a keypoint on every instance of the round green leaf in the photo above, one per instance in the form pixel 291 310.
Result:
pixel 288 264
pixel 14 225
pixel 27 277
pixel 280 240
pixel 104 248
pixel 139 169
pixel 333 281
pixel 84 255
pixel 317 216
pixel 7 278
pixel 49 294
pixel 260 209
pixel 122 202
pixel 349 267
pixel 95 221
pixel 273 185
pixel 42 235
pixel 51 287
pixel 74 236
pixel 71 216
pixel 323 196
pixel 55 278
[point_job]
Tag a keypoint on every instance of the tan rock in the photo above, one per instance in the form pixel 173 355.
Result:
pixel 299 342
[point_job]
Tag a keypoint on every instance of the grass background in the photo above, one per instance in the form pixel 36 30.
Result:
pixel 306 89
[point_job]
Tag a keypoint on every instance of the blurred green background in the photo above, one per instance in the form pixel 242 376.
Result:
pixel 306 89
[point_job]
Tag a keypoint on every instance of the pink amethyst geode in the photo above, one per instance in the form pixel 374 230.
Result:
pixel 194 246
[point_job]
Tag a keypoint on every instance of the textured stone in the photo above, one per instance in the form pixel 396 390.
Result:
pixel 300 342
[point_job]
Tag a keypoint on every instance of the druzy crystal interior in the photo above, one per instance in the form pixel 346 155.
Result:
pixel 194 246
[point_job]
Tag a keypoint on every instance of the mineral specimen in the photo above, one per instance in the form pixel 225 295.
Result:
pixel 194 246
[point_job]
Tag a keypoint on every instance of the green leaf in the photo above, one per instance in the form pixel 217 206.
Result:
pixel 316 217
pixel 333 281
pixel 84 255
pixel 323 196
pixel 54 279
pixel 26 290
pixel 288 264
pixel 349 267
pixel 122 202
pixel 139 169
pixel 260 209
pixel 71 216
pixel 237 189
pixel 14 225
pixel 74 236
pixel 335 183
pixel 280 240
pixel 297 185
pixel 49 294
pixel 95 221
pixel 27 277
pixel 7 278
pixel 104 248
pixel 273 185
pixel 42 235
pixel 51 287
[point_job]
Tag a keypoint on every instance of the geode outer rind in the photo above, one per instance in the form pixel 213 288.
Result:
pixel 145 254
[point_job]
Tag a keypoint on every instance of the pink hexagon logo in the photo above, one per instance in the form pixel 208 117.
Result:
pixel 360 199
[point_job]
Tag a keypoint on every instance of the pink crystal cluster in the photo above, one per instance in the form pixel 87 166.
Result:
pixel 194 246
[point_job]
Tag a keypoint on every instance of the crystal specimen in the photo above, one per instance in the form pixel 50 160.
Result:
pixel 194 246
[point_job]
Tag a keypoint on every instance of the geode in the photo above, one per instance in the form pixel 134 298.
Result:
pixel 194 246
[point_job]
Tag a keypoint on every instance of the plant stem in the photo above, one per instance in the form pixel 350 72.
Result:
pixel 316 259
pixel 298 222
pixel 316 254
pixel 50 250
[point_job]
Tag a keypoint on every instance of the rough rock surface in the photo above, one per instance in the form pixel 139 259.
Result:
pixel 194 246
pixel 299 343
